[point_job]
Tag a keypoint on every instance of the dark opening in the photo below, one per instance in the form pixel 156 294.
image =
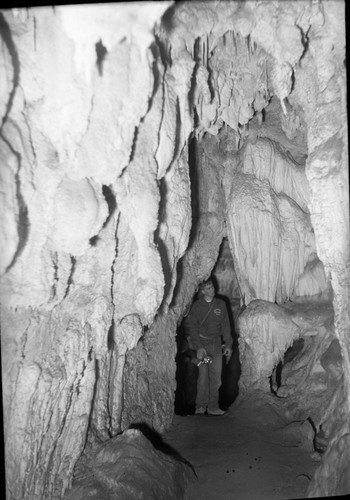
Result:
pixel 101 52
pixel 186 359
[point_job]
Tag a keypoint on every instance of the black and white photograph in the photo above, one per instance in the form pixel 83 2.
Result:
pixel 174 250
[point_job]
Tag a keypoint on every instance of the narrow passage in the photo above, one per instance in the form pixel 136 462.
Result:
pixel 251 453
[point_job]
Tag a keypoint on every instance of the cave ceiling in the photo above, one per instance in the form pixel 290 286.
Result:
pixel 244 70
pixel 130 148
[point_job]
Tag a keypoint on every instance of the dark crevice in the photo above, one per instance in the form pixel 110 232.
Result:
pixel 163 52
pixel 210 83
pixel 309 419
pixel 304 41
pixel 293 350
pixel 55 277
pixel 101 53
pixel 34 30
pixel 156 74
pixel 179 277
pixel 24 343
pixel 193 173
pixel 94 240
pixel 275 380
pixel 133 146
pixel 112 205
pixel 231 368
pixel 110 337
pixel 90 353
pixel 293 81
pixel 89 428
pixel 111 202
pixel 197 60
pixel 5 34
pixel 162 249
pixel 177 132
pixel 110 381
pixel 276 377
pixel 110 333
pixel 279 374
pixel 320 441
pixel 272 389
pixel 114 260
pixel 196 120
pixel 73 261
pixel 23 219
pixel 78 387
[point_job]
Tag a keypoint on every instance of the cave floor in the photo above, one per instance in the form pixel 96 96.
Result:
pixel 250 453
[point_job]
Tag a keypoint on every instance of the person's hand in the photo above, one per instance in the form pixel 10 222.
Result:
pixel 227 352
pixel 201 353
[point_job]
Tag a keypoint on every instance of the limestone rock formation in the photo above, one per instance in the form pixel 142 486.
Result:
pixel 129 466
pixel 265 333
pixel 132 142
pixel 225 274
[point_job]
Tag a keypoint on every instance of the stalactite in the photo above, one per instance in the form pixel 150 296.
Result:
pixel 65 384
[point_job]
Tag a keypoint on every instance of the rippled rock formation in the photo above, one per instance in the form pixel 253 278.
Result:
pixel 132 143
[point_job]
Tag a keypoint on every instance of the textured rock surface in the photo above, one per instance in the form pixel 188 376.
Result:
pixel 225 274
pixel 312 385
pixel 265 332
pixel 311 379
pixel 129 467
pixel 108 226
pixel 325 104
pixel 314 373
pixel 268 160
pixel 269 226
pixel 67 321
pixel 149 377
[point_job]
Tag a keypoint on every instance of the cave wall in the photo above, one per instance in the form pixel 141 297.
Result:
pixel 327 173
pixel 224 273
pixel 288 142
pixel 98 214
pixel 102 244
pixel 82 278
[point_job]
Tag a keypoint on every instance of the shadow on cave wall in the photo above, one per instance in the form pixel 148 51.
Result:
pixel 157 441
pixel 231 370
pixel 289 355
pixel 192 161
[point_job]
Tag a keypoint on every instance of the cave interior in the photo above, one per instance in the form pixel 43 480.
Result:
pixel 145 147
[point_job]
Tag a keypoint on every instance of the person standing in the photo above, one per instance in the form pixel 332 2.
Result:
pixel 208 325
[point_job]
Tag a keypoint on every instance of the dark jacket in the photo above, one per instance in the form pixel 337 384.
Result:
pixel 216 322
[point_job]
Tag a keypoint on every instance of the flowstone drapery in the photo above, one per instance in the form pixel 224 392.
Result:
pixel 133 141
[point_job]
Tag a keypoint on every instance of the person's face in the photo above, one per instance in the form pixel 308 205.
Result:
pixel 208 290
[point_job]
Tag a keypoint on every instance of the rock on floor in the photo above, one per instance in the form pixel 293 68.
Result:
pixel 129 467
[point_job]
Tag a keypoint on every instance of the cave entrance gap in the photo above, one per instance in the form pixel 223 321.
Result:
pixel 227 289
